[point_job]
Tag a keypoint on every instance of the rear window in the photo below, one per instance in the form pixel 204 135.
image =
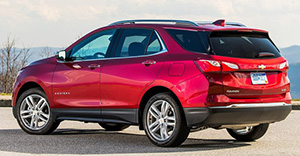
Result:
pixel 243 45
pixel 188 40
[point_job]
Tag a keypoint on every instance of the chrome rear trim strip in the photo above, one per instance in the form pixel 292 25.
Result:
pixel 254 105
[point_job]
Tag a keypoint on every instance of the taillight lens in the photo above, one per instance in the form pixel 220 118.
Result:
pixel 209 65
pixel 216 66
pixel 226 66
pixel 284 66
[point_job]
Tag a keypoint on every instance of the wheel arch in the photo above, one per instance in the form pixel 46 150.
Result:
pixel 26 86
pixel 148 94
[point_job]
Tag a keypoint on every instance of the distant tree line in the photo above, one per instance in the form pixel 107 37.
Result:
pixel 12 59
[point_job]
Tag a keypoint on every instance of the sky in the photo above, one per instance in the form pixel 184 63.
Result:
pixel 58 23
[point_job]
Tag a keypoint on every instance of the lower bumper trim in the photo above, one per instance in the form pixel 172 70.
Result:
pixel 237 114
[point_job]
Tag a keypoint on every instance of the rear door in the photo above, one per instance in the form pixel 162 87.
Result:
pixel 252 66
pixel 133 65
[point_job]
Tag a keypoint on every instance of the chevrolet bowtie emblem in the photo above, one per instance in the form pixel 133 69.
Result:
pixel 262 66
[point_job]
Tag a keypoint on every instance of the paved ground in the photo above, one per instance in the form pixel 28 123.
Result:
pixel 76 138
pixel 5 97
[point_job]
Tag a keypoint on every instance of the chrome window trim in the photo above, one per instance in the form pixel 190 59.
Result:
pixel 164 49
pixel 254 105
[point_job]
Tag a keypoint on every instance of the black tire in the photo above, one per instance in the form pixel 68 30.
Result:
pixel 255 133
pixel 113 126
pixel 48 127
pixel 179 132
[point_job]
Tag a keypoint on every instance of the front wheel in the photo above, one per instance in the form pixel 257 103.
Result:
pixel 164 121
pixel 249 133
pixel 34 113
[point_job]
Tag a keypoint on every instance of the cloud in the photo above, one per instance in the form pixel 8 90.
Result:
pixel 4 3
pixel 39 8
pixel 47 12
pixel 223 7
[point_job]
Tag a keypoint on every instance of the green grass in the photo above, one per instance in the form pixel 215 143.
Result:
pixel 5 94
pixel 295 99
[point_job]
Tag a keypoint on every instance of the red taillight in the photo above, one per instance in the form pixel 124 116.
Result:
pixel 284 66
pixel 216 66
pixel 226 66
pixel 209 65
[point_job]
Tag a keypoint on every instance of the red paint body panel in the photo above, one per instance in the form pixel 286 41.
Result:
pixel 123 81
pixel 76 88
pixel 176 69
pixel 39 72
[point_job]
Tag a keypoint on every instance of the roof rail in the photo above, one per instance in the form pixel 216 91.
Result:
pixel 235 24
pixel 179 22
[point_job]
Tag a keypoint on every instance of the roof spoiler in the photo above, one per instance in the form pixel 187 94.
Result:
pixel 222 22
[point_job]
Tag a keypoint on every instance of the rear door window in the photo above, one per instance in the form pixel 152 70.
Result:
pixel 133 42
pixel 154 45
pixel 137 42
pixel 243 45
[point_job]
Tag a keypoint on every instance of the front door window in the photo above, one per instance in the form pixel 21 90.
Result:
pixel 94 47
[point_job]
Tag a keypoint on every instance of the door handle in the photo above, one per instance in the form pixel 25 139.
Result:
pixel 76 66
pixel 93 66
pixel 148 62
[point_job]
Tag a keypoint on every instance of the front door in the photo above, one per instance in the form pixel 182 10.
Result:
pixel 76 82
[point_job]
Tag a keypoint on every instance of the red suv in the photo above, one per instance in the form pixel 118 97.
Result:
pixel 168 77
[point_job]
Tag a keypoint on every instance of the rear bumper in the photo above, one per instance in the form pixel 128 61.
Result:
pixel 237 114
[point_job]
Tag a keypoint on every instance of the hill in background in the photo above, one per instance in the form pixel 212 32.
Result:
pixel 294 73
pixel 38 53
pixel 292 54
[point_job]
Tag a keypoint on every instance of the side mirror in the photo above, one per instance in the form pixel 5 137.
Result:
pixel 61 55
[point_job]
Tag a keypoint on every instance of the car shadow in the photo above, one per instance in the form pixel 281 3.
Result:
pixel 91 141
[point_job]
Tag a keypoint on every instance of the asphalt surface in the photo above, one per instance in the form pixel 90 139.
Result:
pixel 77 138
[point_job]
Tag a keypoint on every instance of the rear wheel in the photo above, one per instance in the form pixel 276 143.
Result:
pixel 34 113
pixel 250 133
pixel 164 121
pixel 113 126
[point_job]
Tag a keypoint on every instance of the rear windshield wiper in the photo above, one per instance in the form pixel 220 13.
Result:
pixel 265 54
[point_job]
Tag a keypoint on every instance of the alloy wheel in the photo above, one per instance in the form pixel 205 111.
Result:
pixel 161 120
pixel 34 112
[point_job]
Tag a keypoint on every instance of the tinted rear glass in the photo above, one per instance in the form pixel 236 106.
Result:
pixel 188 40
pixel 133 42
pixel 242 45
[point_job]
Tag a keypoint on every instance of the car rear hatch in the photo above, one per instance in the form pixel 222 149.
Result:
pixel 243 65
pixel 251 65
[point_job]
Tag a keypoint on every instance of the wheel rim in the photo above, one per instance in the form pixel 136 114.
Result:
pixel 161 120
pixel 35 112
pixel 243 131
